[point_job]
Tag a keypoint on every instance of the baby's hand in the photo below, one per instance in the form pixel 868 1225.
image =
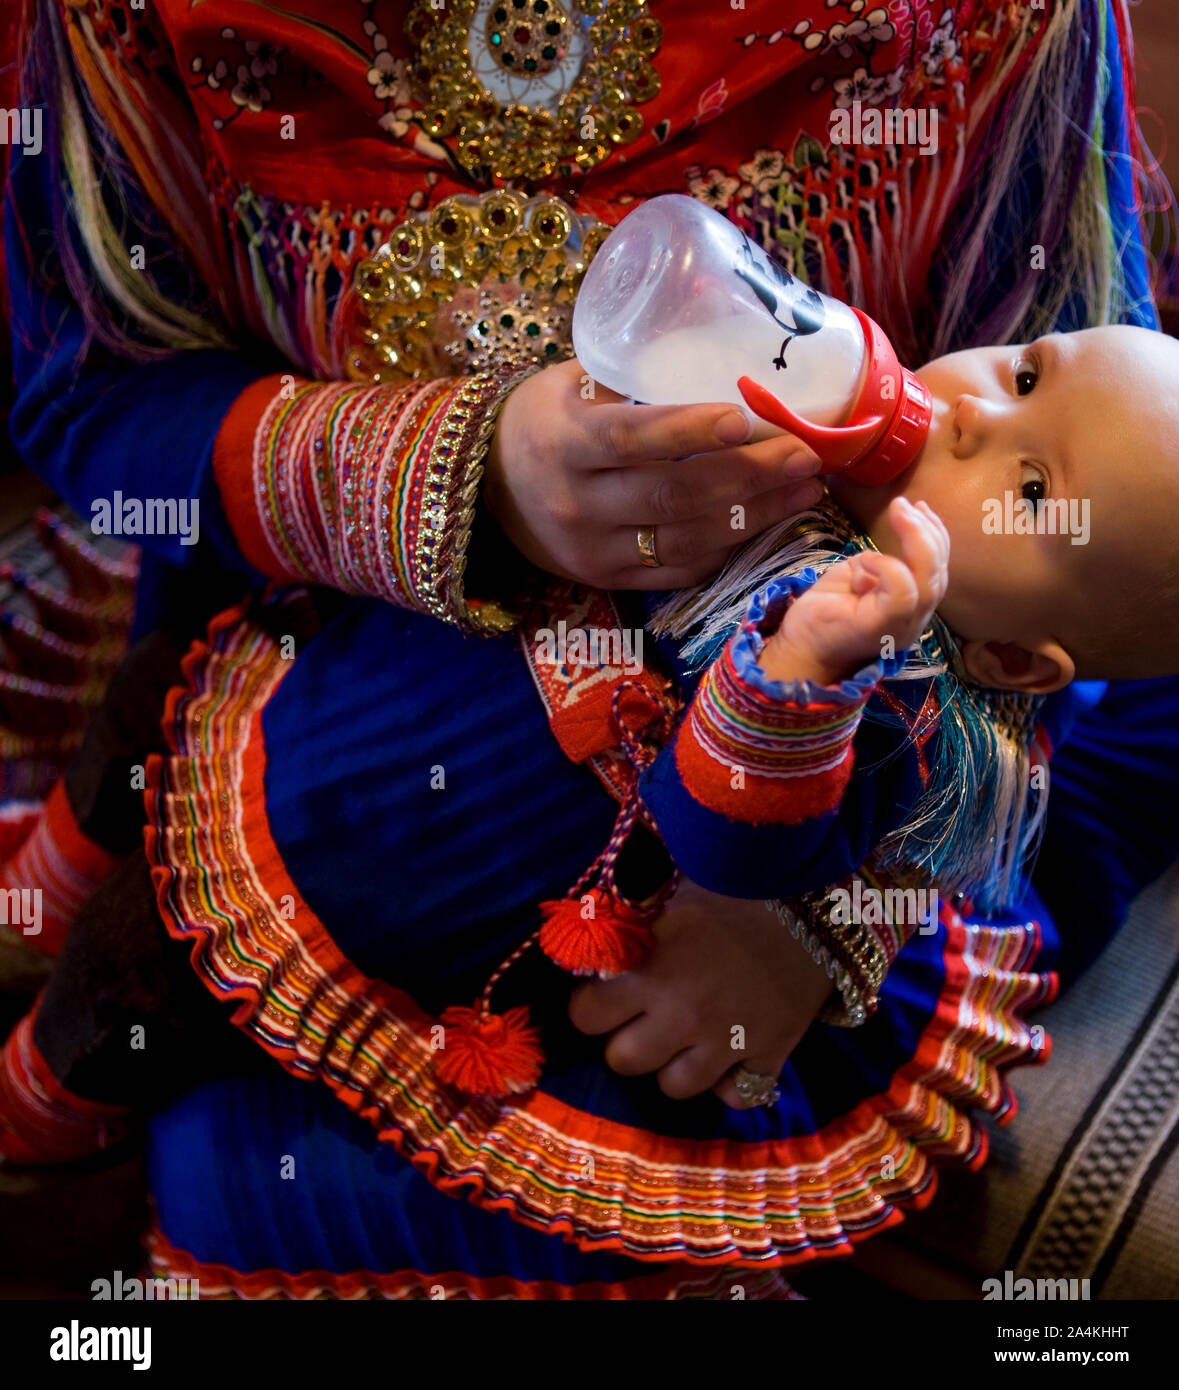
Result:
pixel 840 623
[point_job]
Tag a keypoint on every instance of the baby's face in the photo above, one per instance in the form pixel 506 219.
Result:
pixel 1090 419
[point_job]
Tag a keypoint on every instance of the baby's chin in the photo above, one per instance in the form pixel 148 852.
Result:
pixel 867 505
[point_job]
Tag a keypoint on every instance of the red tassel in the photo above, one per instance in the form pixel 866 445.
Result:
pixel 602 937
pixel 489 1054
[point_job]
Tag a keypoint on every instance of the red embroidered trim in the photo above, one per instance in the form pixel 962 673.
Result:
pixel 675 1281
pixel 793 761
pixel 570 623
pixel 60 861
pixel 223 887
pixel 40 1121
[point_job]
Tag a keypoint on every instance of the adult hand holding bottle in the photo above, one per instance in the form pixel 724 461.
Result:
pixel 575 471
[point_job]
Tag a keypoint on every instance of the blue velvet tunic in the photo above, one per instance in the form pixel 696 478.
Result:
pixel 430 887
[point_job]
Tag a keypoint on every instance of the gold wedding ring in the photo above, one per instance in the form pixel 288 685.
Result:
pixel 647 547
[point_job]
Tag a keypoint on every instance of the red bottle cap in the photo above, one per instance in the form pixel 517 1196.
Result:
pixel 888 424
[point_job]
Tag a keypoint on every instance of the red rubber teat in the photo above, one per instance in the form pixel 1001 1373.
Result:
pixel 887 426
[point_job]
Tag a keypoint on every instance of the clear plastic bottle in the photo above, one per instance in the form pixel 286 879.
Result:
pixel 678 307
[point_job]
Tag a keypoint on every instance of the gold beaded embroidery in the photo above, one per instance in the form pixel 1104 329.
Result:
pixel 474 284
pixel 527 89
pixel 851 954
pixel 455 470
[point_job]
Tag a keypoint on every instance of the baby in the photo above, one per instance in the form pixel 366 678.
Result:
pixel 1022 436
pixel 800 755
pixel 1090 417
pixel 755 796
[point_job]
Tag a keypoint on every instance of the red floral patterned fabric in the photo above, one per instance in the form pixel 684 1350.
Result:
pixel 308 122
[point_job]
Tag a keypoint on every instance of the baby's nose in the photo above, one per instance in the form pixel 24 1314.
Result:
pixel 972 419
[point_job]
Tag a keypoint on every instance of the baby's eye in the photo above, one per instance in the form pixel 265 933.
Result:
pixel 1027 373
pixel 1033 485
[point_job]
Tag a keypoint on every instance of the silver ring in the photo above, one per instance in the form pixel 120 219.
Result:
pixel 756 1087
pixel 646 540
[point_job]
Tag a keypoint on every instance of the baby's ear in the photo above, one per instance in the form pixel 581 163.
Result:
pixel 1037 670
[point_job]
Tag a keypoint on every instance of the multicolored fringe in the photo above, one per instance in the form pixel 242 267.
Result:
pixel 978 820
pixel 223 888
pixel 121 139
pixel 1013 88
pixel 1048 115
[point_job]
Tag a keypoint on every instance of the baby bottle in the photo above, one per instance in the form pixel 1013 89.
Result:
pixel 678 307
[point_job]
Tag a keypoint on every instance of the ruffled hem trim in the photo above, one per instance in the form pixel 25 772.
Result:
pixel 676 1282
pixel 223 887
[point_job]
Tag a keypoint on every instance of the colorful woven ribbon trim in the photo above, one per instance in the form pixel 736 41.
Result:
pixel 676 1281
pixel 368 489
pixel 572 642
pixel 762 760
pixel 223 888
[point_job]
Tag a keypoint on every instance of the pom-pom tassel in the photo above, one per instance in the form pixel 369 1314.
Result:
pixel 488 1054
pixel 592 931
pixel 595 933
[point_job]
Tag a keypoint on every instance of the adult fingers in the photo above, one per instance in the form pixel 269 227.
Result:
pixel 628 434
pixel 680 545
pixel 600 1006
pixel 678 489
pixel 726 1088
pixel 638 576
pixel 645 1044
pixel 692 1072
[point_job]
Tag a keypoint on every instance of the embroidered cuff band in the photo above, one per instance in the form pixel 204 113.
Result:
pixel 368 489
pixel 856 930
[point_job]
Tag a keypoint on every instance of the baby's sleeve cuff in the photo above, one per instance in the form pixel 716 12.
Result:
pixel 767 751
pixel 762 619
